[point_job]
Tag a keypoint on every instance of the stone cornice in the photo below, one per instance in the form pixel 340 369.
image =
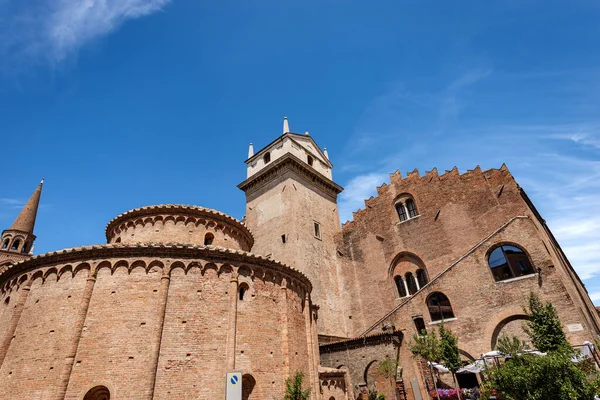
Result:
pixel 174 251
pixel 290 162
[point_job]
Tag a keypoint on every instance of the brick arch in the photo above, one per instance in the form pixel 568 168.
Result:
pixel 499 318
pixel 406 256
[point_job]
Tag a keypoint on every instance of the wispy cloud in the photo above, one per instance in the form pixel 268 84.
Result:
pixel 53 30
pixel 356 191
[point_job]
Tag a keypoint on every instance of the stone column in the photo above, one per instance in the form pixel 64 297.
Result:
pixel 405 286
pixel 309 342
pixel 285 347
pixel 232 328
pixel 65 374
pixel 165 282
pixel 14 320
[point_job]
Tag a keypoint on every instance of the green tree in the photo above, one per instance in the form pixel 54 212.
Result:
pixel 293 388
pixel 387 368
pixel 530 377
pixel 511 345
pixel 449 353
pixel 427 347
pixel 544 327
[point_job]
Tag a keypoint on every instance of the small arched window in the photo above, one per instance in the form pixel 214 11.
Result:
pixel 243 290
pixel 208 239
pixel 267 157
pixel 412 209
pixel 507 262
pixel 401 211
pixel 411 283
pixel 439 307
pixel 16 245
pixel 98 393
pixel 400 286
pixel 24 249
pixel 421 278
pixel 5 244
pixel 310 160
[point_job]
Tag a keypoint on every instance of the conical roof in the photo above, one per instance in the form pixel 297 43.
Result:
pixel 25 222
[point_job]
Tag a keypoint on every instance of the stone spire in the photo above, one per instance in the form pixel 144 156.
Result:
pixel 25 222
pixel 250 150
pixel 286 126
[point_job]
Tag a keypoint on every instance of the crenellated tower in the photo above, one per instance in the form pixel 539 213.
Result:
pixel 17 241
pixel 291 209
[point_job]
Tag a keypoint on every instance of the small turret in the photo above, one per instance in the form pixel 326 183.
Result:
pixel 17 241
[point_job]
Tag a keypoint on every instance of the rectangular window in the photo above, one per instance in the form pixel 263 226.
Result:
pixel 283 239
pixel 317 230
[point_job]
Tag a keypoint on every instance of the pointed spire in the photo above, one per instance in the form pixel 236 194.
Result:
pixel 286 125
pixel 325 152
pixel 25 222
pixel 250 150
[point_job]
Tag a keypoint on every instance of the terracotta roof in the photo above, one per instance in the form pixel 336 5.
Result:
pixel 25 221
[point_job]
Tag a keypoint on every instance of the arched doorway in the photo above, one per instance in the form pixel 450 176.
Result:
pixel 97 393
pixel 248 383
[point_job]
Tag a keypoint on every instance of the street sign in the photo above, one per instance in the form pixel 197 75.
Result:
pixel 234 386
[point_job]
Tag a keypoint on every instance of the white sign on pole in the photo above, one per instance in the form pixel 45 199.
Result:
pixel 234 386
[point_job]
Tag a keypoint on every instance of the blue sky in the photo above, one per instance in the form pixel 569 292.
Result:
pixel 125 103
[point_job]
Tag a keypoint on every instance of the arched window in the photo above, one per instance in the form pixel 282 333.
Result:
pixel 243 290
pixel 509 262
pixel 208 239
pixel 400 286
pixel 267 157
pixel 439 307
pixel 5 244
pixel 421 278
pixel 411 283
pixel 24 249
pixel 406 207
pixel 98 393
pixel 16 245
pixel 401 211
pixel 310 160
pixel 412 209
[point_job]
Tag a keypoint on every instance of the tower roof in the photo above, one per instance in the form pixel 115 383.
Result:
pixel 25 222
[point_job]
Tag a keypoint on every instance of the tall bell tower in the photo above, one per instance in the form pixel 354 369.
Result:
pixel 291 209
pixel 16 242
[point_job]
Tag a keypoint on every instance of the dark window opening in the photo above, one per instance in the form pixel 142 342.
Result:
pixel 411 283
pixel 412 209
pixel 5 244
pixel 98 393
pixel 317 230
pixel 439 307
pixel 401 212
pixel 267 157
pixel 118 240
pixel 420 326
pixel 400 286
pixel 310 160
pixel 7 300
pixel 16 245
pixel 283 239
pixel 509 262
pixel 208 239
pixel 421 277
pixel 243 290
pixel 24 249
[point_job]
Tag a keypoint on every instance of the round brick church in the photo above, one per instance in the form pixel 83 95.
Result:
pixel 171 303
